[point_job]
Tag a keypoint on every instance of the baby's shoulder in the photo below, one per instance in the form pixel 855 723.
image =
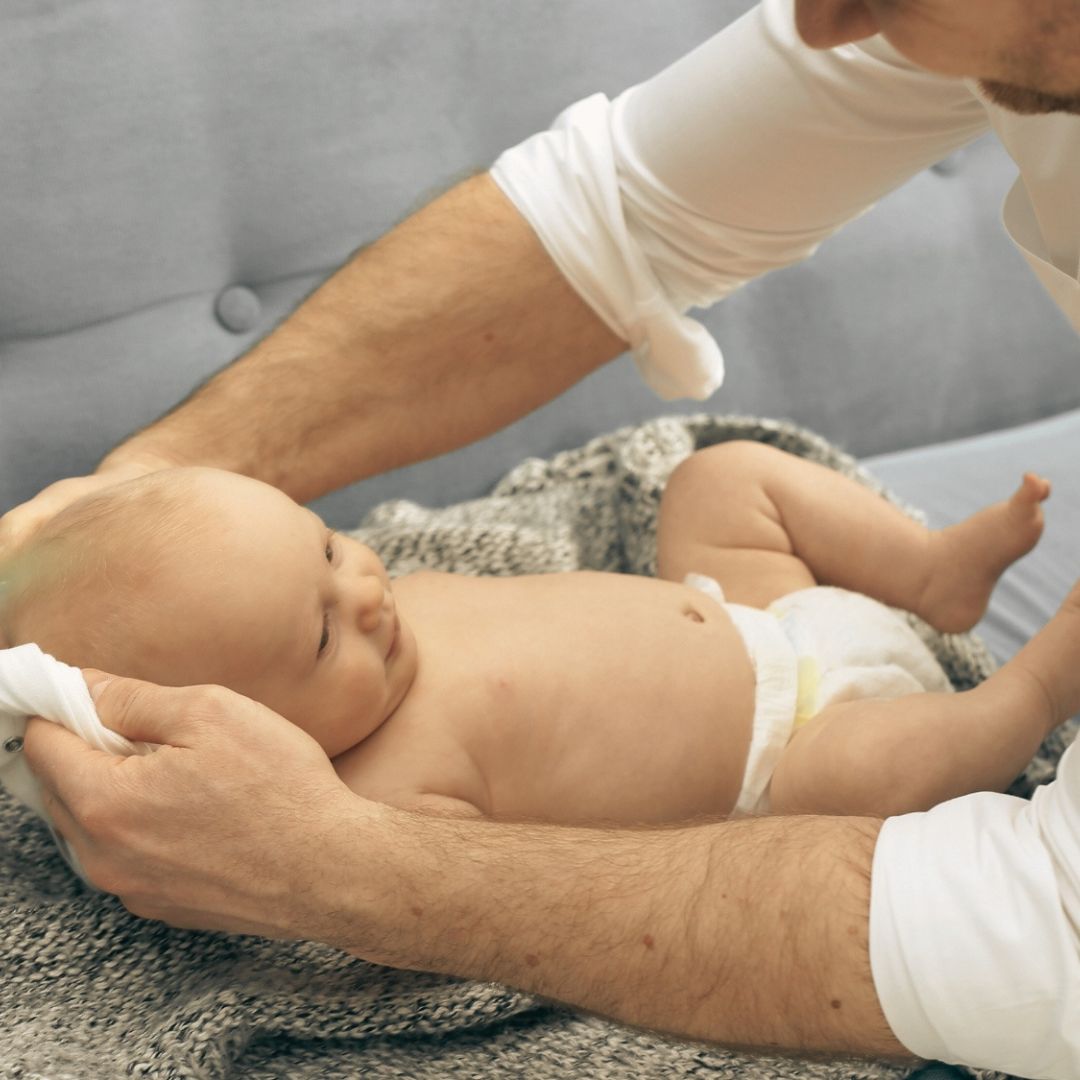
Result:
pixel 404 761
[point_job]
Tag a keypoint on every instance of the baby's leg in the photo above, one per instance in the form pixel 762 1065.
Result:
pixel 880 757
pixel 764 522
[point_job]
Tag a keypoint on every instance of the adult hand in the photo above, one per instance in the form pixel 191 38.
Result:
pixel 19 523
pixel 228 826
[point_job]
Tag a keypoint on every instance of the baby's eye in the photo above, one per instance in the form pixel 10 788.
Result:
pixel 325 640
pixel 330 547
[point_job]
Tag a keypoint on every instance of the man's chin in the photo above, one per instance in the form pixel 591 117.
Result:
pixel 1018 99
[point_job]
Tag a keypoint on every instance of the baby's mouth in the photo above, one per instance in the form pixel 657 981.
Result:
pixel 394 636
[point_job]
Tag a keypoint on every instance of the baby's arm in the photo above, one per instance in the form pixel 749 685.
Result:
pixel 765 523
pixel 380 778
pixel 442 806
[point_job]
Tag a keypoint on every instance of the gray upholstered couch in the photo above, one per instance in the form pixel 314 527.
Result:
pixel 177 174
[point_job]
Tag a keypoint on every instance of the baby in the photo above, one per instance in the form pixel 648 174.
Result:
pixel 774 681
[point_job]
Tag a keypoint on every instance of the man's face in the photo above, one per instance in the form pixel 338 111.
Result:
pixel 1025 53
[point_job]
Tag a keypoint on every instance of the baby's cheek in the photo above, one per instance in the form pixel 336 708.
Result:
pixel 338 708
pixel 319 717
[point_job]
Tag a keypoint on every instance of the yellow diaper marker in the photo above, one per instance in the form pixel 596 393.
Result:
pixel 806 692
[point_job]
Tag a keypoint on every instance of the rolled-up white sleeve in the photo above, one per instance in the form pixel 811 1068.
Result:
pixel 975 929
pixel 738 159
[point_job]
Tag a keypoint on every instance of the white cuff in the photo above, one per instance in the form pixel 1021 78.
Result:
pixel 975 930
pixel 565 183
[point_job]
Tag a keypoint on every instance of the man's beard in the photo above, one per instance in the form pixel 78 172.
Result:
pixel 1028 102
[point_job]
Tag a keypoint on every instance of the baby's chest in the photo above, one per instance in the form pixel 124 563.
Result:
pixel 584 656
pixel 633 635
pixel 584 683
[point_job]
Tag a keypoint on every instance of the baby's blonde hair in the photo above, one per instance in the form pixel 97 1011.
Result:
pixel 91 561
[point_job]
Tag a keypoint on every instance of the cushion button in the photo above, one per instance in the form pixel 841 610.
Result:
pixel 238 309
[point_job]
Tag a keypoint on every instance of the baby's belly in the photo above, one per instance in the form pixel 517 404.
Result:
pixel 637 706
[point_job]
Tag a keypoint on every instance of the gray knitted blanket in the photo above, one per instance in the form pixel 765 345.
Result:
pixel 89 992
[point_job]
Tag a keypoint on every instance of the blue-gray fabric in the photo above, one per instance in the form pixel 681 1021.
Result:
pixel 159 153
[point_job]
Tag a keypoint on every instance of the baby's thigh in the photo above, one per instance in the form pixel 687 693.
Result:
pixel 819 760
pixel 749 576
pixel 875 757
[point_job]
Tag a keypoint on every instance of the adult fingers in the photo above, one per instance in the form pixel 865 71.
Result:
pixel 63 762
pixel 20 521
pixel 145 712
pixel 39 735
pixel 70 763
pixel 17 525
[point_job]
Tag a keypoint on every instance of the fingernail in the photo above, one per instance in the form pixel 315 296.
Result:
pixel 95 691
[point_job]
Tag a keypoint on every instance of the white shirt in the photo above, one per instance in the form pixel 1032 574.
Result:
pixel 975 929
pixel 741 158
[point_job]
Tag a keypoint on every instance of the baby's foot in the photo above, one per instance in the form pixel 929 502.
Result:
pixel 968 558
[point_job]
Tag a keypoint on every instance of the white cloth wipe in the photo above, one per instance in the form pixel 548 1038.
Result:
pixel 32 683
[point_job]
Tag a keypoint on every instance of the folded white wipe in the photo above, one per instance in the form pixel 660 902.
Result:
pixel 33 683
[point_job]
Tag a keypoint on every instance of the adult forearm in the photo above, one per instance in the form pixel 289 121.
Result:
pixel 749 933
pixel 451 326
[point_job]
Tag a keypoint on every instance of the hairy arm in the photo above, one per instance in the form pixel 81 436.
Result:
pixel 748 933
pixel 451 326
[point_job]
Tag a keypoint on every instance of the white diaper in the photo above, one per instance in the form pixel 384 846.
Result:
pixel 813 648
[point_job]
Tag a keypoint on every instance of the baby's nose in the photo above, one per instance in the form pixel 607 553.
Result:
pixel 370 593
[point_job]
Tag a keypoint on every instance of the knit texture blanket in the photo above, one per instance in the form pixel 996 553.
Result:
pixel 89 992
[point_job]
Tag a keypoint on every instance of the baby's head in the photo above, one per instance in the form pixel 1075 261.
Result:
pixel 196 575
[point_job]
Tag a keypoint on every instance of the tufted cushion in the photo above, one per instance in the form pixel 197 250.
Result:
pixel 178 174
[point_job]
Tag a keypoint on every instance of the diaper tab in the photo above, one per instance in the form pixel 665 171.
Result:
pixel 703 583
